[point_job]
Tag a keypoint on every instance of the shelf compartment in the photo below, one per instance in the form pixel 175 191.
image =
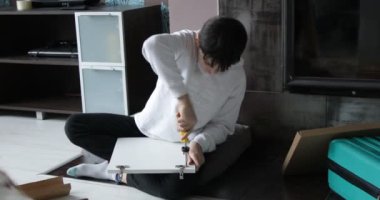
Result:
pixel 55 104
pixel 30 60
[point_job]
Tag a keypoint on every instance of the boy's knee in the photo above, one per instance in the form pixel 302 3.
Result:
pixel 176 190
pixel 70 127
pixel 167 186
pixel 173 193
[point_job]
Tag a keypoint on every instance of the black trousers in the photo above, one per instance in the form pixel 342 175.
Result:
pixel 98 133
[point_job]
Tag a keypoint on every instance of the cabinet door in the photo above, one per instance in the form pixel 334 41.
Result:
pixel 100 38
pixel 103 91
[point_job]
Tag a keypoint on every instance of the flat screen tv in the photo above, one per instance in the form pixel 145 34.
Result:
pixel 332 47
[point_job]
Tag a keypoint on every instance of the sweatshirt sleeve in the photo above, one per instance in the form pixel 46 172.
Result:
pixel 217 130
pixel 160 51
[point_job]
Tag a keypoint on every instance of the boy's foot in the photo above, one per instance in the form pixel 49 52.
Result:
pixel 98 171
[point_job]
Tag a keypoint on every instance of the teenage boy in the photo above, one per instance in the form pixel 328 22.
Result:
pixel 201 84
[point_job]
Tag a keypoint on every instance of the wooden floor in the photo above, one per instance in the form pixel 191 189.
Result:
pixel 32 150
pixel 29 147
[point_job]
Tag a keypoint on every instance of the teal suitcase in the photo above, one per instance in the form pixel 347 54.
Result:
pixel 354 168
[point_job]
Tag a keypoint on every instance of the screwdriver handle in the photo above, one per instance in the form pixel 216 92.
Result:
pixel 182 133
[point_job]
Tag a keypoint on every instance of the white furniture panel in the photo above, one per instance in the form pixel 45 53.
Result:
pixel 146 155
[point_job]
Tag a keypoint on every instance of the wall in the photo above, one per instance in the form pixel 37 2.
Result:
pixel 191 14
pixel 271 111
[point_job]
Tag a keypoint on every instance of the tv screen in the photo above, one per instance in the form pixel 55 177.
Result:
pixel 333 46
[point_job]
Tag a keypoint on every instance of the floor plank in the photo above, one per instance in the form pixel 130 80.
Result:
pixel 31 145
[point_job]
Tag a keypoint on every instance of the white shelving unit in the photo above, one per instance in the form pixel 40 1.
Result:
pixel 114 77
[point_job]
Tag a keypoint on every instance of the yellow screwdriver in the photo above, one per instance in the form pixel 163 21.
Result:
pixel 185 149
pixel 185 140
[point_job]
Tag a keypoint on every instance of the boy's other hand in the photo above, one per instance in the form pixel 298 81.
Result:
pixel 196 156
pixel 186 118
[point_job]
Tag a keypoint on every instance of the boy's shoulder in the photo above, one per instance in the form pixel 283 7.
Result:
pixel 185 33
pixel 237 71
pixel 239 66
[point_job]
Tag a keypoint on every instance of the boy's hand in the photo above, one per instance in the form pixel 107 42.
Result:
pixel 196 156
pixel 186 118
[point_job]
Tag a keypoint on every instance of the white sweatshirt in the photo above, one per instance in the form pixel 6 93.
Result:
pixel 216 98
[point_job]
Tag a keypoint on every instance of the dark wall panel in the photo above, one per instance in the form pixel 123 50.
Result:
pixel 280 115
pixel 345 110
pixel 263 61
pixel 270 111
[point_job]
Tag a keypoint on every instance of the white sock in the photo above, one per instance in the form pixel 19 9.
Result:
pixel 98 171
pixel 91 158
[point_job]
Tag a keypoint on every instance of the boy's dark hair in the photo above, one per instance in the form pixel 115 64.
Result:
pixel 222 41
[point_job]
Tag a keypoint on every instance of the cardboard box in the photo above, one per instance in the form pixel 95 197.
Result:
pixel 46 189
pixel 308 152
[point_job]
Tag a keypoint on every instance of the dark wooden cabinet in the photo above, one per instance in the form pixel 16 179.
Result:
pixel 48 84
